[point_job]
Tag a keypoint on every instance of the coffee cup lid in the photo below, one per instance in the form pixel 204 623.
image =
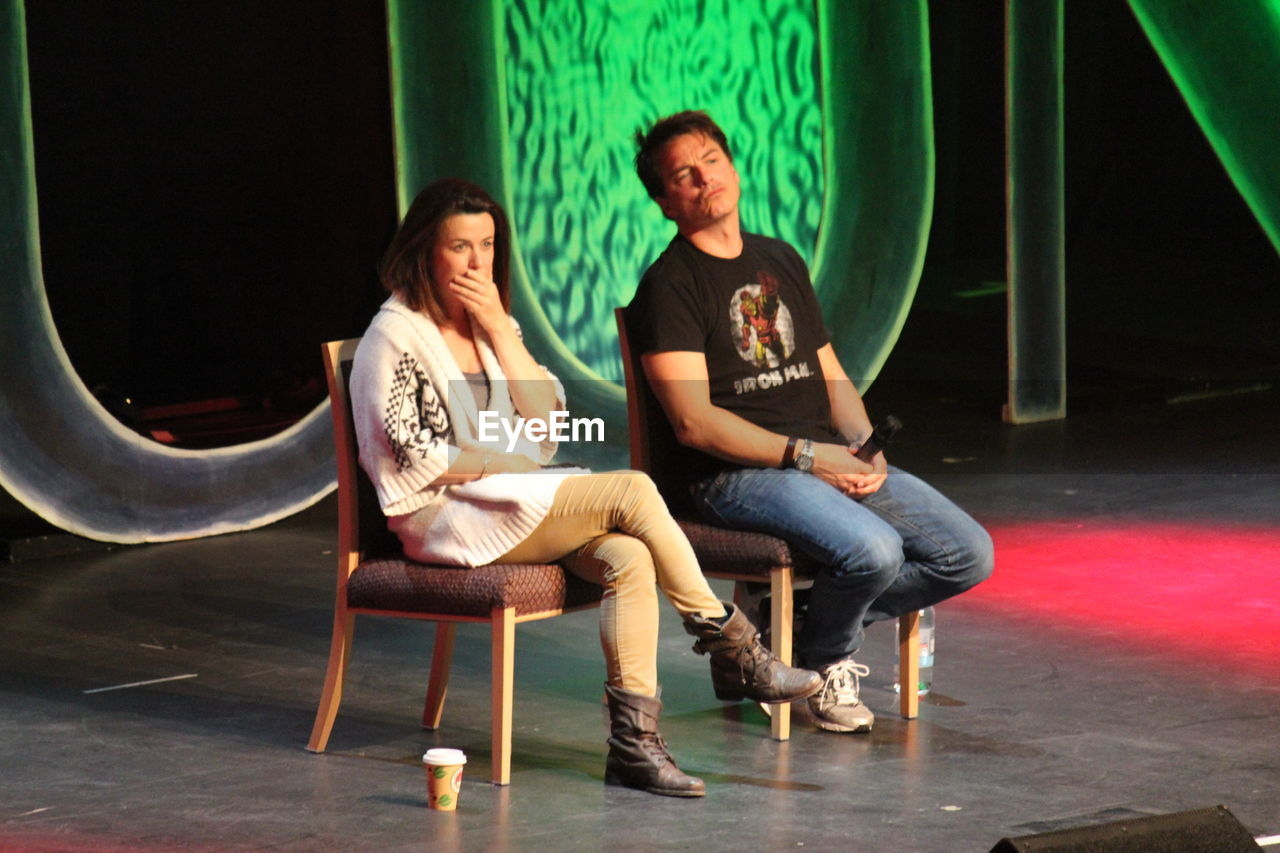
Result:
pixel 442 756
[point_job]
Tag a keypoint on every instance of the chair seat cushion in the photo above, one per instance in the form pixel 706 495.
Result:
pixel 742 552
pixel 402 585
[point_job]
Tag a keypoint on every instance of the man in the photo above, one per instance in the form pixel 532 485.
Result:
pixel 735 348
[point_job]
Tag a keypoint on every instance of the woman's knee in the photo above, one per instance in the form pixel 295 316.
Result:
pixel 638 495
pixel 624 560
pixel 638 483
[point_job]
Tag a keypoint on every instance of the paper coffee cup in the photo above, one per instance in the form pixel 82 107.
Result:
pixel 444 777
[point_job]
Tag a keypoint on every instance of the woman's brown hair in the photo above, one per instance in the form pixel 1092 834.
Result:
pixel 406 267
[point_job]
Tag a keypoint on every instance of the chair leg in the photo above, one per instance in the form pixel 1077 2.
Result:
pixel 438 685
pixel 331 695
pixel 781 619
pixel 503 627
pixel 744 599
pixel 909 664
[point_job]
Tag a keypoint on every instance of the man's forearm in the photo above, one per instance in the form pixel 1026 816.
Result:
pixel 679 379
pixel 720 433
pixel 848 413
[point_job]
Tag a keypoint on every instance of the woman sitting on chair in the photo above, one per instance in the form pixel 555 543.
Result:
pixel 442 350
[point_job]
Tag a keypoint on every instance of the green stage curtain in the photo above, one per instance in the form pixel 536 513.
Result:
pixel 827 108
pixel 1224 57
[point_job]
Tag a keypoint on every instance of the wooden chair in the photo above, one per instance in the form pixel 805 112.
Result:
pixel 374 577
pixel 745 557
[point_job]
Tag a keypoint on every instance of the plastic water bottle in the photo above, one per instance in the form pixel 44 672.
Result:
pixel 927 644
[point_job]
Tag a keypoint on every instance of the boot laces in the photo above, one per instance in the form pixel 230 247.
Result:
pixel 752 658
pixel 657 747
pixel 841 686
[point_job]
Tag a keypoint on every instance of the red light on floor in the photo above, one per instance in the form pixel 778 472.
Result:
pixel 1203 592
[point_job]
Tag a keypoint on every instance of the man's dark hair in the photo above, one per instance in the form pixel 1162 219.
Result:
pixel 651 143
pixel 406 266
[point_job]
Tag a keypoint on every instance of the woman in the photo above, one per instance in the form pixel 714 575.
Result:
pixel 442 349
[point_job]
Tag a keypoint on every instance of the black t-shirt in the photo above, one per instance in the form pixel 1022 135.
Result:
pixel 758 323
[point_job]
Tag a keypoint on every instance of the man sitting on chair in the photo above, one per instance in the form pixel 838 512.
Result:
pixel 734 346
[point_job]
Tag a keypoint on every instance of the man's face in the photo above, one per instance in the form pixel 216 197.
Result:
pixel 699 184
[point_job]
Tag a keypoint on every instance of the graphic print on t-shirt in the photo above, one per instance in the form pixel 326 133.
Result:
pixel 763 334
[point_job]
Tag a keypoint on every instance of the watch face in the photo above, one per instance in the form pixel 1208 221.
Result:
pixel 804 459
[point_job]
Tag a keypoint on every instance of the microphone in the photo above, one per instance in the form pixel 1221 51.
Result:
pixel 881 435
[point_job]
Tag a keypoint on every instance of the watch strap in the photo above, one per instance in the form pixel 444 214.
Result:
pixel 789 455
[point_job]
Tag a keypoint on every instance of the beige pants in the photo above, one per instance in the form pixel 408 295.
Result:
pixel 614 529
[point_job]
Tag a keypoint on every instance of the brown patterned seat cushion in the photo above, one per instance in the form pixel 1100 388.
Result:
pixel 721 550
pixel 408 587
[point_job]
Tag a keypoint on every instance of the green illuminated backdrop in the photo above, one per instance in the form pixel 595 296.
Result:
pixel 471 85
pixel 828 109
pixel 1224 57
pixel 582 74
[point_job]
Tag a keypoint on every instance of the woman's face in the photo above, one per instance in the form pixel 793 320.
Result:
pixel 464 242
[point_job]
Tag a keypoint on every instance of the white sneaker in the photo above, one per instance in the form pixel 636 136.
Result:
pixel 836 707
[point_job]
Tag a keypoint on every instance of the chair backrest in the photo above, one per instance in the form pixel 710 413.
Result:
pixel 654 447
pixel 362 528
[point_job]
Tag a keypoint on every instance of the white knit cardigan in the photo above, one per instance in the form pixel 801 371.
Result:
pixel 410 428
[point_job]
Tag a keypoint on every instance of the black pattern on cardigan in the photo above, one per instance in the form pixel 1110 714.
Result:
pixel 414 418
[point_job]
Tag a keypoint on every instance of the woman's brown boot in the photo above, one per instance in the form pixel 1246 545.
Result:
pixel 741 667
pixel 638 756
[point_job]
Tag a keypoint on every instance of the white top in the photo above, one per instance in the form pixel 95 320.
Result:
pixel 410 428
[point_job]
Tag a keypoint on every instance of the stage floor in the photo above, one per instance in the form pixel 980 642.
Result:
pixel 1121 663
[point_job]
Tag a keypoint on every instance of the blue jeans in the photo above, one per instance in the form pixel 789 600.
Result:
pixel 900 549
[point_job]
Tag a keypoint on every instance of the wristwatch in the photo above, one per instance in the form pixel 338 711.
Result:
pixel 804 456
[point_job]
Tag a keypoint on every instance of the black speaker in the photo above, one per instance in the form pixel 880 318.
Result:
pixel 1212 830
